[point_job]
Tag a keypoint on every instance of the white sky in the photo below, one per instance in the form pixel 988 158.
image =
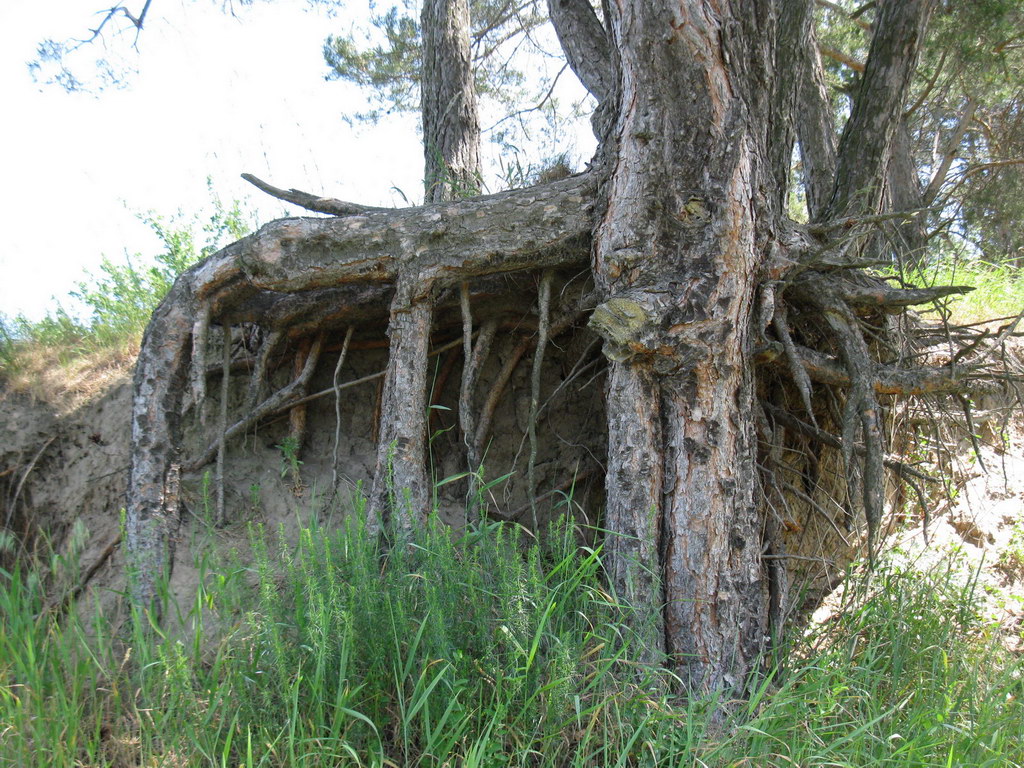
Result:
pixel 214 96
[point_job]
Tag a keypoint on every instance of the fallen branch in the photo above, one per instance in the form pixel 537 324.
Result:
pixel 283 399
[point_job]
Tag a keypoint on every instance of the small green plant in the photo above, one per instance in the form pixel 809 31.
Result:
pixel 117 301
pixel 290 462
pixel 255 498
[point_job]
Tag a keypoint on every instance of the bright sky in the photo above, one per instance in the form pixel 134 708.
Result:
pixel 214 96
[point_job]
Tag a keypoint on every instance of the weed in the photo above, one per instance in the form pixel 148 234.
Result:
pixel 290 462
pixel 484 649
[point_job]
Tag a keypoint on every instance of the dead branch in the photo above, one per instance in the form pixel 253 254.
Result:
pixel 893 380
pixel 895 299
pixel 336 388
pixel 310 201
pixel 284 398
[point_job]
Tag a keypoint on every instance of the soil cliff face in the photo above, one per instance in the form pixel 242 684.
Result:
pixel 59 466
pixel 64 464
pixel 64 459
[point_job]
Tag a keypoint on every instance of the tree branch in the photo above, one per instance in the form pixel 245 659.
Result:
pixel 586 45
pixel 310 201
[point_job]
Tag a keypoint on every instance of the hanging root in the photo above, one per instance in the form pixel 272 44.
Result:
pixel 225 388
pixel 297 413
pixel 258 379
pixel 831 331
pixel 483 429
pixel 800 377
pixel 473 357
pixel 337 407
pixel 544 315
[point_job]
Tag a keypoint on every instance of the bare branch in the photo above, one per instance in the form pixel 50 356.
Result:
pixel 310 201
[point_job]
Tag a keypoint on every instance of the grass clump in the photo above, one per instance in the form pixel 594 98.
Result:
pixel 484 649
pixel 998 287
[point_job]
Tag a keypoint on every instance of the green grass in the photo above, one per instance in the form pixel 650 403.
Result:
pixel 482 650
pixel 998 288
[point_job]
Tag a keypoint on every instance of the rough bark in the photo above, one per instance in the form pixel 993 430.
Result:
pixel 585 43
pixel 677 254
pixel 401 489
pixel 695 264
pixel 451 128
pixel 866 145
pixel 815 126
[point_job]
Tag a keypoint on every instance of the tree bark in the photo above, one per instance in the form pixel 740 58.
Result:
pixel 815 127
pixel 866 145
pixel 690 245
pixel 585 43
pixel 451 128
pixel 677 253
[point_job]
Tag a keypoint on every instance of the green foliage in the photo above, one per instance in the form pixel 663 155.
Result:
pixel 121 297
pixel 998 287
pixel 290 462
pixel 484 649
pixel 390 70
pixel 973 51
pixel 907 674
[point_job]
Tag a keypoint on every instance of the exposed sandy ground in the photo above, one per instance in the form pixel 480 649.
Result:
pixel 64 457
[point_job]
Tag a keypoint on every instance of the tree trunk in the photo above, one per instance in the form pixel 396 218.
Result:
pixel 695 262
pixel 678 253
pixel 451 128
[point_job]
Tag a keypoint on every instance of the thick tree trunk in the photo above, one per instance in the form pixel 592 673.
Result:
pixel 690 248
pixel 678 253
pixel 451 128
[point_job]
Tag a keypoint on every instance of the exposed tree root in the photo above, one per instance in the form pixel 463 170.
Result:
pixel 222 442
pixel 474 356
pixel 336 388
pixel 544 313
pixel 444 270
pixel 284 398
